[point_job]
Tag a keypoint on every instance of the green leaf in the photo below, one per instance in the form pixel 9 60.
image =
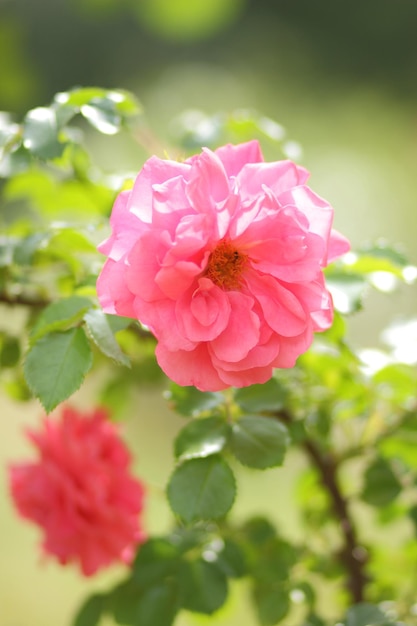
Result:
pixel 90 612
pixel 203 586
pixel 232 560
pixel 158 605
pixel 157 559
pixel 25 250
pixel 259 442
pixel 123 602
pixel 381 485
pixel 201 437
pixel 259 531
pixel 397 382
pixel 40 133
pixel 191 402
pixel 365 614
pixel 412 514
pixel 99 328
pixel 270 396
pixel 102 115
pixel 60 315
pixel 124 101
pixel 202 489
pixel 272 603
pixel 9 352
pixel 273 561
pixel 13 163
pixel 56 366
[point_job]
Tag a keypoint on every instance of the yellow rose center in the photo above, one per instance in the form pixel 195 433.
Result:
pixel 226 265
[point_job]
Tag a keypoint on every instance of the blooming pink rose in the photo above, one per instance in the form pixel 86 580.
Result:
pixel 80 491
pixel 221 257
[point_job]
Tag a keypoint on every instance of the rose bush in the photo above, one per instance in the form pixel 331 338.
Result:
pixel 221 256
pixel 80 491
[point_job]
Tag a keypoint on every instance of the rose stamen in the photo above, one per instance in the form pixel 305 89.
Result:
pixel 226 265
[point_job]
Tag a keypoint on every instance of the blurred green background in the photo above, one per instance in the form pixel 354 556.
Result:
pixel 340 77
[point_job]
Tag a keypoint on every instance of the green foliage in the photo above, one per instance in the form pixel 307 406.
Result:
pixel 66 358
pixel 90 612
pixel 191 402
pixel 259 442
pixel 202 488
pixel 201 438
pixel 347 427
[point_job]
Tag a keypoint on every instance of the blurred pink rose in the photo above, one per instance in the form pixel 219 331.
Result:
pixel 221 257
pixel 80 491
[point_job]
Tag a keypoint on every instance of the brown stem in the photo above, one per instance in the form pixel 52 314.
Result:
pixel 352 556
pixel 23 300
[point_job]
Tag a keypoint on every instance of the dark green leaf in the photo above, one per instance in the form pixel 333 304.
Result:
pixel 9 352
pixel 157 559
pixel 231 560
pixel 124 601
pixel 60 315
pixel 412 513
pixel 158 605
pixel 40 134
pixel 102 335
pixel 202 489
pixel 56 366
pixel 274 561
pixel 270 396
pixel 381 485
pixel 365 614
pixel 272 603
pixel 259 530
pixel 203 586
pixel 201 438
pixel 191 402
pixel 259 442
pixel 90 612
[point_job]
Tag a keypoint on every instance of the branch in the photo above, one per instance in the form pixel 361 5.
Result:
pixel 353 556
pixel 21 299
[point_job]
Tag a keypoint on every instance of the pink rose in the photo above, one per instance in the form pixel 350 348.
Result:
pixel 221 257
pixel 80 491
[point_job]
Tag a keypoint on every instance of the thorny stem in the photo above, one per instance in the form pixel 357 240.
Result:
pixel 352 556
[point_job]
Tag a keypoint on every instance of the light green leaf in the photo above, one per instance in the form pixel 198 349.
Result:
pixel 56 366
pixel 60 315
pixel 201 437
pixel 99 328
pixel 203 585
pixel 102 114
pixel 365 614
pixel 202 489
pixel 40 133
pixel 259 442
